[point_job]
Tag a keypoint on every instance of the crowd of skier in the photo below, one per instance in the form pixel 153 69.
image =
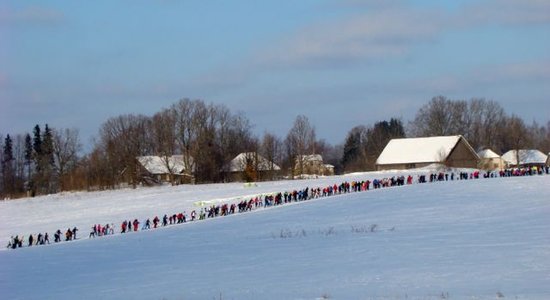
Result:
pixel 266 200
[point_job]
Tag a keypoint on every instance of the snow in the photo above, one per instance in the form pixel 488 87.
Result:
pixel 487 153
pixel 418 150
pixel 473 239
pixel 532 156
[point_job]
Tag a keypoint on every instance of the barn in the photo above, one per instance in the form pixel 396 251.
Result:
pixel 409 153
pixel 489 160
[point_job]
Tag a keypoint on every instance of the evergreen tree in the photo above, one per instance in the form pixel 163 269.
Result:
pixel 8 170
pixel 37 143
pixel 354 158
pixel 379 136
pixel 28 159
pixel 47 161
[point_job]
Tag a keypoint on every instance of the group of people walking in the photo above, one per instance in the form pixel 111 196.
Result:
pixel 266 200
pixel 41 239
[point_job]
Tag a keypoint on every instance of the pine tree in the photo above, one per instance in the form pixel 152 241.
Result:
pixel 8 170
pixel 47 161
pixel 28 160
pixel 37 156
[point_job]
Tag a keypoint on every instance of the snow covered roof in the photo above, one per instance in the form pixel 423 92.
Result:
pixel 418 150
pixel 162 165
pixel 312 157
pixel 526 156
pixel 487 153
pixel 238 164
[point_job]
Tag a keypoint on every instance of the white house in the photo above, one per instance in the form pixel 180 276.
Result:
pixel 489 160
pixel 312 165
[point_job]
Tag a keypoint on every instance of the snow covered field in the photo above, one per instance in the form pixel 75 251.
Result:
pixel 474 239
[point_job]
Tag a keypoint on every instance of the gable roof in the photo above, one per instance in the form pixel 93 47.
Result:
pixel 163 165
pixel 311 158
pixel 526 156
pixel 238 164
pixel 419 150
pixel 487 153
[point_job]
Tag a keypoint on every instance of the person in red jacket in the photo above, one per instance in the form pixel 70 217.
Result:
pixel 136 224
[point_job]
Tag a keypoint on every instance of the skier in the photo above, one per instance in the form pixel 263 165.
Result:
pixel 74 233
pixel 31 239
pixel 68 235
pixel 123 227
pixel 136 224
pixel 165 220
pixel 46 238
pixel 147 224
pixel 57 236
pixel 155 222
pixel 193 215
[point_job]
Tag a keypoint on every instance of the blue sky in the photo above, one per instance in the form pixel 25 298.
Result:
pixel 74 64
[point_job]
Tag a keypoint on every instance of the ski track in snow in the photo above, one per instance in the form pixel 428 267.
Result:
pixel 471 239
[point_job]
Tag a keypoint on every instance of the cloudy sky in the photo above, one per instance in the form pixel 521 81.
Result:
pixel 74 64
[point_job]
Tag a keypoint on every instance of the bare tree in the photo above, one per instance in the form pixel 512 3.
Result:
pixel 122 139
pixel 301 139
pixel 66 146
pixel 517 135
pixel 163 133
pixel 271 149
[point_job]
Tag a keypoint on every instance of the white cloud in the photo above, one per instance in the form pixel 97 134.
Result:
pixel 372 36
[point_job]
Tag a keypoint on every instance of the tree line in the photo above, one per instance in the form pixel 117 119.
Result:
pixel 209 136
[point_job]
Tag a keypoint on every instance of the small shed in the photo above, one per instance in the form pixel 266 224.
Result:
pixel 409 153
pixel 489 160
pixel 527 158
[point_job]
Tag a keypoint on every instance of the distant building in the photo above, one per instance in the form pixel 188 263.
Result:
pixel 527 158
pixel 172 169
pixel 409 153
pixel 250 166
pixel 489 160
pixel 313 165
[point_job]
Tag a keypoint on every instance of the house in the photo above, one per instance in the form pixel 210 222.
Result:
pixel 157 169
pixel 312 165
pixel 489 160
pixel 250 166
pixel 527 158
pixel 409 153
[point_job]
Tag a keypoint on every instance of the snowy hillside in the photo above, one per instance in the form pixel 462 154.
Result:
pixel 474 239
